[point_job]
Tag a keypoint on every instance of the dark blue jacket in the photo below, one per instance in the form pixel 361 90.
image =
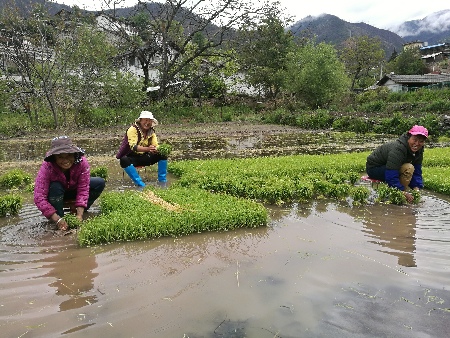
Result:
pixel 393 155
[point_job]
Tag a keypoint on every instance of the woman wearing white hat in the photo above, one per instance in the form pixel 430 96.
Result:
pixel 139 149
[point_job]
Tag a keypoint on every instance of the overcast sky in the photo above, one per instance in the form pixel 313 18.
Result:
pixel 384 14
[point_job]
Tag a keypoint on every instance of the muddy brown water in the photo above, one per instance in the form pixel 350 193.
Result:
pixel 200 141
pixel 321 269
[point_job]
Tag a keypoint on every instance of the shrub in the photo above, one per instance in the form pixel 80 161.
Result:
pixel 280 116
pixel 315 120
pixel 379 94
pixel 14 179
pixel 431 122
pixel 439 106
pixel 10 204
pixel 350 123
pixel 373 107
pixel 100 172
pixel 395 125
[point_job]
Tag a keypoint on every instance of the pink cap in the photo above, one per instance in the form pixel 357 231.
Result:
pixel 419 130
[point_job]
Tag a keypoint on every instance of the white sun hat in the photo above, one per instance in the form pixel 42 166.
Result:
pixel 145 114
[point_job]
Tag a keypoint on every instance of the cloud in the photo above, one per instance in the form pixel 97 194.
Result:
pixel 433 23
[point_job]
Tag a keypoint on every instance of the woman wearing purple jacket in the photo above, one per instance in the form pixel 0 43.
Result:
pixel 65 175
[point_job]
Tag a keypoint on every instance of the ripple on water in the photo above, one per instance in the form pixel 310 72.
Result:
pixel 433 239
pixel 28 228
pixel 434 213
pixel 321 267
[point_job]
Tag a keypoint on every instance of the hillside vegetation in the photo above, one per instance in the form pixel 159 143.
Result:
pixel 52 81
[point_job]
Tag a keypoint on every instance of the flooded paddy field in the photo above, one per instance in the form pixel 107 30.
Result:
pixel 320 269
pixel 204 141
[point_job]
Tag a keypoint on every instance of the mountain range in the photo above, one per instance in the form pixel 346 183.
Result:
pixel 433 29
pixel 331 29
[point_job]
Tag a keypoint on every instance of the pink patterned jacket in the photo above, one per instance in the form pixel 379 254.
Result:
pixel 51 172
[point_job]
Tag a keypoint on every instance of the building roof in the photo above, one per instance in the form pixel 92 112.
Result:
pixel 432 46
pixel 433 55
pixel 415 79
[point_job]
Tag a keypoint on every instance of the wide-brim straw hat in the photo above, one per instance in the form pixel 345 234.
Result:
pixel 62 145
pixel 145 114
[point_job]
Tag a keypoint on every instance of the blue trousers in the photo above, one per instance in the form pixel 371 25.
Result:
pixel 377 173
pixel 57 194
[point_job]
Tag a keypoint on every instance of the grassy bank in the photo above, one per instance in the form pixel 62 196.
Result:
pixel 376 111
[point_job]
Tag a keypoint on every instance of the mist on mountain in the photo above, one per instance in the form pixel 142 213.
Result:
pixel 434 28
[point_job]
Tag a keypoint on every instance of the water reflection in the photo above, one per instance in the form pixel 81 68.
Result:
pixel 295 277
pixel 73 276
pixel 393 228
pixel 172 256
pixel 433 239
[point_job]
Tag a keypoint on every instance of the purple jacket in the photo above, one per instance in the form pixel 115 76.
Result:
pixel 50 172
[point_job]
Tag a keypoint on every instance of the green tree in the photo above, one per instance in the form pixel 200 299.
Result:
pixel 408 62
pixel 162 33
pixel 207 76
pixel 88 58
pixel 5 93
pixel 360 55
pixel 27 44
pixel 121 90
pixel 59 64
pixel 263 55
pixel 393 55
pixel 315 74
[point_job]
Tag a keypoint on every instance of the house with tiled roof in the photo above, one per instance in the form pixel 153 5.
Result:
pixel 398 83
pixel 434 53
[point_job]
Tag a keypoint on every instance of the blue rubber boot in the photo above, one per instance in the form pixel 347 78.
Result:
pixel 134 175
pixel 162 170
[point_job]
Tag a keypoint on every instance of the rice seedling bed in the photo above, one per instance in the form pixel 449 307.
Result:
pixel 278 180
pixel 154 213
pixel 299 178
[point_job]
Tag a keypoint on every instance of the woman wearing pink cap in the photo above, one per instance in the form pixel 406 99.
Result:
pixel 399 163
